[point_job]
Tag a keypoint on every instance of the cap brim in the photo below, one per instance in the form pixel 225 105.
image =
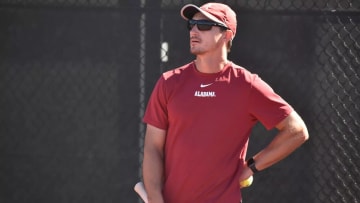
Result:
pixel 189 10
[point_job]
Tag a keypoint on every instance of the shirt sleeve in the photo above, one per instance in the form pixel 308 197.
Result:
pixel 267 106
pixel 156 111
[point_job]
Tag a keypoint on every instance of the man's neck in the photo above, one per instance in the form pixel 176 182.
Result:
pixel 210 64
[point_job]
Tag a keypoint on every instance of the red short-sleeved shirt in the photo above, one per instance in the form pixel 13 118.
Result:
pixel 208 119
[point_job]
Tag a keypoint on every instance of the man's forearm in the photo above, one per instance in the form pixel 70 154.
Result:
pixel 153 177
pixel 282 146
pixel 153 163
pixel 292 134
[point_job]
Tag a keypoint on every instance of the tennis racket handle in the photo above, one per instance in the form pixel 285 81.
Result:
pixel 140 190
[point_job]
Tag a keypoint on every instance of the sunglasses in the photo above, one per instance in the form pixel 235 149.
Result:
pixel 204 25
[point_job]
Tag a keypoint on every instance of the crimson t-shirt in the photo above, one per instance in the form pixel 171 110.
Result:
pixel 208 119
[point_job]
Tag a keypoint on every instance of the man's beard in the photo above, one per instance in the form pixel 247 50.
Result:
pixel 196 51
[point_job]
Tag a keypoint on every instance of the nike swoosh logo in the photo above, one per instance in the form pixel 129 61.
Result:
pixel 205 85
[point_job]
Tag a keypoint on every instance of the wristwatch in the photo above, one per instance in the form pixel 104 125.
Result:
pixel 251 164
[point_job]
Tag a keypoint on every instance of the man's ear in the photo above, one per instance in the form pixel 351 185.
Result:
pixel 229 35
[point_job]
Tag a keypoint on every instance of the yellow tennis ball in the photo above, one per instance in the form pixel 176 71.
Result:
pixel 247 182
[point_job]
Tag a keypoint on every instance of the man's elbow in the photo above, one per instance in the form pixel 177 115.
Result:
pixel 299 127
pixel 302 134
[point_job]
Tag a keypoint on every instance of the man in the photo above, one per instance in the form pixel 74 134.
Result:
pixel 199 118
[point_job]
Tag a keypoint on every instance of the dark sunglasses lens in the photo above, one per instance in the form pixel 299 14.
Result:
pixel 190 25
pixel 204 27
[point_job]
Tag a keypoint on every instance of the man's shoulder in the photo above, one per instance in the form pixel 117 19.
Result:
pixel 176 72
pixel 242 72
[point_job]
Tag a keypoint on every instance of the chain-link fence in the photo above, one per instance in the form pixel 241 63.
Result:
pixel 75 76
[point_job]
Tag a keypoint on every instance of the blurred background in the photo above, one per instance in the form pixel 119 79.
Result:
pixel 76 75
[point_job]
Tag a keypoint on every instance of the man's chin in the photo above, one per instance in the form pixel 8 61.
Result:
pixel 195 52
